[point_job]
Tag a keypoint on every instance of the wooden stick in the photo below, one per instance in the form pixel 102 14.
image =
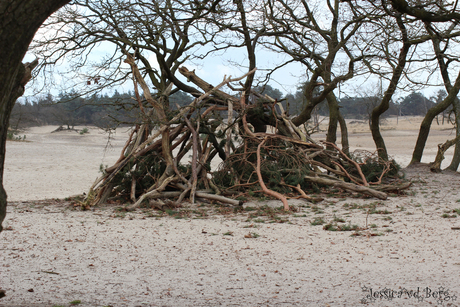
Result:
pixel 345 171
pixel 153 193
pixel 194 160
pixel 351 161
pixel 229 130
pixel 303 194
pixel 220 198
pixel 262 184
pixel 133 188
pixel 348 186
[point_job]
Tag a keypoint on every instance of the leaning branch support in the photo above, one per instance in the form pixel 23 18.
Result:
pixel 144 144
pixel 169 155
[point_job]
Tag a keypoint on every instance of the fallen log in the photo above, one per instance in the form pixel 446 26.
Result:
pixel 392 187
pixel 348 186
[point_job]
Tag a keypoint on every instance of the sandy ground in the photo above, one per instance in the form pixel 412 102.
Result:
pixel 53 255
pixel 60 164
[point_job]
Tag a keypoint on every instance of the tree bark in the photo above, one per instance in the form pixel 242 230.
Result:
pixel 344 133
pixel 19 21
pixel 333 118
pixel 456 157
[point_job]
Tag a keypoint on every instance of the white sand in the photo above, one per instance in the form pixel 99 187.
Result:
pixel 60 164
pixel 103 259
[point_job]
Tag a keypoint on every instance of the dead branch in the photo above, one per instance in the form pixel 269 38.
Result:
pixel 442 148
pixel 220 198
pixel 348 186
pixel 358 168
pixel 194 160
pixel 262 184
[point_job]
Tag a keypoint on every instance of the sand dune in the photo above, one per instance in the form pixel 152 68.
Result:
pixel 53 254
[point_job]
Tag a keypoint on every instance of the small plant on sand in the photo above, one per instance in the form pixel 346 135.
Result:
pixel 84 131
pixel 338 219
pixel 317 221
pixel 373 211
pixel 75 302
pixel 252 235
pixel 335 227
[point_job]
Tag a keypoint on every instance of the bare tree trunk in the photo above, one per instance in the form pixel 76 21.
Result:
pixel 425 128
pixel 456 158
pixel 344 133
pixel 385 103
pixel 333 118
pixel 19 20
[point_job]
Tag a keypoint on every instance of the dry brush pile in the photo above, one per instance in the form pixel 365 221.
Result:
pixel 154 165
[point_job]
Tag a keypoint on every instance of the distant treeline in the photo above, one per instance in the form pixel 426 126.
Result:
pixel 69 110
pixel 361 107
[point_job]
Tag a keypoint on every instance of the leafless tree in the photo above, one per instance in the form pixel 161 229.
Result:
pixel 321 36
pixel 161 35
pixel 440 19
pixel 444 45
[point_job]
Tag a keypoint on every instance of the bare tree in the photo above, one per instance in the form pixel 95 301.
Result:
pixel 398 68
pixel 442 41
pixel 161 35
pixel 436 16
pixel 321 36
pixel 396 54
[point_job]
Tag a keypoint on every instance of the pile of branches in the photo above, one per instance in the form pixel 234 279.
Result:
pixel 154 164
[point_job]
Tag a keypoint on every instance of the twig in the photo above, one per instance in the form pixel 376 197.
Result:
pixel 345 171
pixel 153 193
pixel 358 168
pixel 50 272
pixel 262 184
pixel 332 170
